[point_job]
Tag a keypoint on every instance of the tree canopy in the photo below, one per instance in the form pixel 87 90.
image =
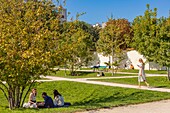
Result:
pixel 28 39
pixel 77 43
pixel 114 38
pixel 116 35
pixel 152 37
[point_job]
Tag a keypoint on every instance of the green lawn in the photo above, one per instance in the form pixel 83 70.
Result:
pixel 146 71
pixel 153 81
pixel 81 74
pixel 136 71
pixel 88 74
pixel 86 96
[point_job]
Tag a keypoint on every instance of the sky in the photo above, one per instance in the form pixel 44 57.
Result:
pixel 98 11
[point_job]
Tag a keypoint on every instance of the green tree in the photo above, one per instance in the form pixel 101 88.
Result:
pixel 77 44
pixel 114 38
pixel 28 45
pixel 146 30
pixel 151 37
pixel 163 50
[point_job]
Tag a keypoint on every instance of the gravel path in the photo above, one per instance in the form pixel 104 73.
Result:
pixel 153 107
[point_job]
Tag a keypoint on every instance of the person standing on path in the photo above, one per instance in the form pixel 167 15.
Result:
pixel 141 75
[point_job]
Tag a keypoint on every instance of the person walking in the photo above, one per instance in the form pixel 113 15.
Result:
pixel 141 75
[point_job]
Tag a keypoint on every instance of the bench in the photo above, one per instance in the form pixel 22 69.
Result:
pixel 99 68
pixel 103 68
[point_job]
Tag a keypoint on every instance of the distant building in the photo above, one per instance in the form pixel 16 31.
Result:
pixel 103 24
pixel 63 13
pixel 96 25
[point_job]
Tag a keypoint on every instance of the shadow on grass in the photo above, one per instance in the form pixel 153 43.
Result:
pixel 4 106
pixel 80 73
pixel 159 86
pixel 115 98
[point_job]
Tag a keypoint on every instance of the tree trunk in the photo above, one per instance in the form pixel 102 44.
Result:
pixel 112 61
pixel 65 69
pixel 11 107
pixel 168 73
pixel 10 99
pixel 21 94
pixel 3 90
pixel 17 100
pixel 72 70
pixel 31 85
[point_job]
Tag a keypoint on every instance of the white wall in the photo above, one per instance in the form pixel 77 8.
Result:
pixel 103 59
pixel 99 58
pixel 132 56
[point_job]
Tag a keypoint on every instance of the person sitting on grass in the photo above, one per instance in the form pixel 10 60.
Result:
pixel 58 99
pixel 48 102
pixel 32 97
pixel 32 100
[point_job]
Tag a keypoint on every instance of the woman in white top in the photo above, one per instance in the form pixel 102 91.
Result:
pixel 32 98
pixel 58 99
pixel 141 75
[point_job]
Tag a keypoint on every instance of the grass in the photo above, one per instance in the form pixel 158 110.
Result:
pixel 146 71
pixel 81 74
pixel 90 73
pixel 159 82
pixel 86 96
pixel 135 71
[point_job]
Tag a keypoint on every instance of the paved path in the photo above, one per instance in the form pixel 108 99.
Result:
pixel 152 107
pixel 85 80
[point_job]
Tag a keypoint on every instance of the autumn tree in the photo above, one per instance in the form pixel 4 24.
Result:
pixel 114 38
pixel 28 45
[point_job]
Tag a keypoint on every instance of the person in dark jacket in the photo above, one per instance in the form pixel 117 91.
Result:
pixel 48 102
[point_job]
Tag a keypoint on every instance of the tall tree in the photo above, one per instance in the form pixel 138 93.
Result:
pixel 28 45
pixel 114 38
pixel 145 33
pixel 77 44
pixel 163 51
pixel 151 37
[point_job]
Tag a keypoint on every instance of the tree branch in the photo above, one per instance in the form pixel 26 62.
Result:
pixel 4 93
pixel 27 92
